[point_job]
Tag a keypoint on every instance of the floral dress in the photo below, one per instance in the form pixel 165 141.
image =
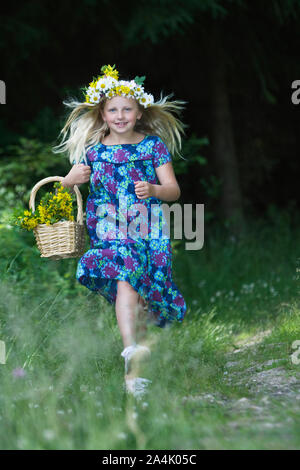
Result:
pixel 123 245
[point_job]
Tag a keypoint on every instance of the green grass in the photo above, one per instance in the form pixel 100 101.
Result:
pixel 67 342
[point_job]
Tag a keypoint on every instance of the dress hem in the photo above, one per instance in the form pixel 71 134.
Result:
pixel 159 318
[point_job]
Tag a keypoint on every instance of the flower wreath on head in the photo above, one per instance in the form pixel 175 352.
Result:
pixel 109 86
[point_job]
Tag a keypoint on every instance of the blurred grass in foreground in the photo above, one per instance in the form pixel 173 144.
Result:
pixel 61 386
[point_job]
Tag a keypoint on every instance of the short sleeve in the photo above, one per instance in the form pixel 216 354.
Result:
pixel 161 154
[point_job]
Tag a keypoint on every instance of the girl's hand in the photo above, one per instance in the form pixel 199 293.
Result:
pixel 143 189
pixel 79 173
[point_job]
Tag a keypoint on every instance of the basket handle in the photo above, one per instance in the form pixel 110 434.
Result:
pixel 57 178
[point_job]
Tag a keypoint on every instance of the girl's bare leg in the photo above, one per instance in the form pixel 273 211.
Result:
pixel 142 321
pixel 131 319
pixel 127 311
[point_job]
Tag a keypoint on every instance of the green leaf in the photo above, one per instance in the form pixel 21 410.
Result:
pixel 140 80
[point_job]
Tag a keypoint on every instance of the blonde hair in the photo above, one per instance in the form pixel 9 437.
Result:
pixel 87 128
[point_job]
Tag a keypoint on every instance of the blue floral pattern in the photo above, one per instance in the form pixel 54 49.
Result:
pixel 117 250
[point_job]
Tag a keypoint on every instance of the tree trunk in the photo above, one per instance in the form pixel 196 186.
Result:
pixel 222 141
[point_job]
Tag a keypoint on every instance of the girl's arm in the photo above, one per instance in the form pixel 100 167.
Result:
pixel 166 192
pixel 78 175
pixel 67 184
pixel 168 189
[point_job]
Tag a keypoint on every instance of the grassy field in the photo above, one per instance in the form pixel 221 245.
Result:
pixel 223 379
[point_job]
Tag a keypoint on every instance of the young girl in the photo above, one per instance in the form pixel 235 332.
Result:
pixel 120 140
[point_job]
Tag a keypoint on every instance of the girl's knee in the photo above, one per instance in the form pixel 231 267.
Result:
pixel 124 286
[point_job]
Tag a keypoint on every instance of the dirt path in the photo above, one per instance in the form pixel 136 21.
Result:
pixel 272 390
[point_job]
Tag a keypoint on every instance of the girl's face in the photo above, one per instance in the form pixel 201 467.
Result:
pixel 121 114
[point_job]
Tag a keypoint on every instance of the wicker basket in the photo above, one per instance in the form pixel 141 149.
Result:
pixel 64 239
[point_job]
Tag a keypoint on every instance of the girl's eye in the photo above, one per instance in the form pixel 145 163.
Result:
pixel 114 109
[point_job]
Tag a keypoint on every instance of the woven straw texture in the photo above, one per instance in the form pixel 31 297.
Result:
pixel 65 239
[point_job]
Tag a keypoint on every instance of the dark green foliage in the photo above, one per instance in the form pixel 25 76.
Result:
pixel 23 165
pixel 192 152
pixel 51 51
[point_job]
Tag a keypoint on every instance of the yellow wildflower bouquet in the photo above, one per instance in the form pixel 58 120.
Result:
pixel 51 209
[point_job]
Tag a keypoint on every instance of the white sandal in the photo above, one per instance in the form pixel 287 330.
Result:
pixel 136 350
